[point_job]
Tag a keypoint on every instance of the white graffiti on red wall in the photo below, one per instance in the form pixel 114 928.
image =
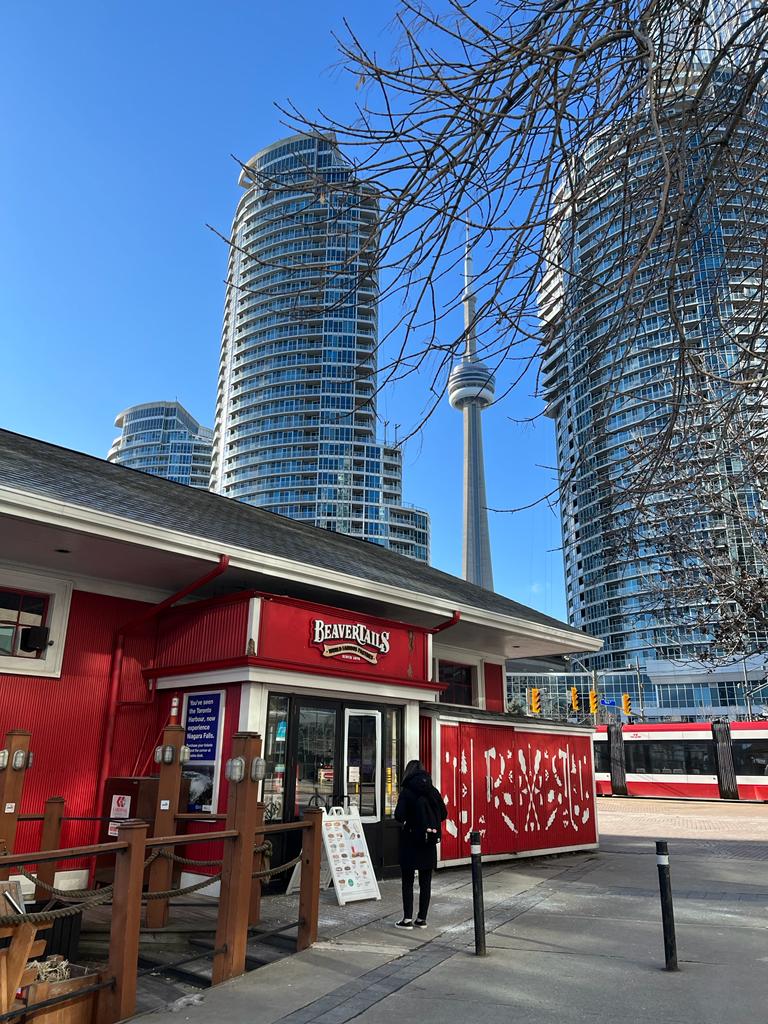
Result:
pixel 521 791
pixel 551 783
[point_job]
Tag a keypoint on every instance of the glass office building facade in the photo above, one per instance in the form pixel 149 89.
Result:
pixel 295 428
pixel 609 386
pixel 163 439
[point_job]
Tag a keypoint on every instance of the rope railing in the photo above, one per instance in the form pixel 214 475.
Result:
pixel 81 900
pixel 246 853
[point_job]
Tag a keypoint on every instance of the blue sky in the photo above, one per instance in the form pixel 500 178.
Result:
pixel 118 121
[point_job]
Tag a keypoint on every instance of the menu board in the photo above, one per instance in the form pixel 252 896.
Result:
pixel 348 856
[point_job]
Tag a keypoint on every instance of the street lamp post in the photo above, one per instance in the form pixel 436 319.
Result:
pixel 747 692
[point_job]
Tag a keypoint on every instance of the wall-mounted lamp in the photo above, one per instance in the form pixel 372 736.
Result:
pixel 4 757
pixel 184 754
pixel 21 759
pixel 235 769
pixel 258 769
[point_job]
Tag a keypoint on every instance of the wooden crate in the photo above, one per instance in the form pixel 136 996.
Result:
pixel 79 1011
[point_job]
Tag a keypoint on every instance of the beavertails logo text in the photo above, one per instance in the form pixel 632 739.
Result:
pixel 350 641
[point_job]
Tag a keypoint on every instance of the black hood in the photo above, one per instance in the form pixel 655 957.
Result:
pixel 420 783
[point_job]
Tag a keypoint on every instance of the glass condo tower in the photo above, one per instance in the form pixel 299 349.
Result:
pixel 295 428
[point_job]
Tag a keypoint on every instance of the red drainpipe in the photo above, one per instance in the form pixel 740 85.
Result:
pixel 453 621
pixel 105 756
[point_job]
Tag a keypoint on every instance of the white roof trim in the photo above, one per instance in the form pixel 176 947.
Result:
pixel 24 504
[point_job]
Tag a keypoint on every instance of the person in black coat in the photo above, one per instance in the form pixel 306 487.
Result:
pixel 421 811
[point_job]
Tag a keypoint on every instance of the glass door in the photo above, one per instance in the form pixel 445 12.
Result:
pixel 362 761
pixel 315 756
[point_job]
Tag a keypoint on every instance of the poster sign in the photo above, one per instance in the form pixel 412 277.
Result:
pixel 203 722
pixel 348 858
pixel 121 806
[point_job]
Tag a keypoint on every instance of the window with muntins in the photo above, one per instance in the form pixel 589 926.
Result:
pixel 29 602
pixel 20 610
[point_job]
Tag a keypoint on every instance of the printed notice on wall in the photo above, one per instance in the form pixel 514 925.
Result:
pixel 348 856
pixel 203 721
pixel 121 806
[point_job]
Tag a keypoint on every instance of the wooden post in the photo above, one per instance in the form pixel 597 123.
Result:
pixel 11 788
pixel 50 839
pixel 235 897
pixel 309 894
pixel 13 959
pixel 166 809
pixel 120 1002
pixel 254 914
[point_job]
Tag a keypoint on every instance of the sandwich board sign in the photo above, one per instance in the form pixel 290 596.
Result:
pixel 347 861
pixel 326 877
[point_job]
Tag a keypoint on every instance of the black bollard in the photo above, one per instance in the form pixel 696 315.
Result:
pixel 667 910
pixel 477 893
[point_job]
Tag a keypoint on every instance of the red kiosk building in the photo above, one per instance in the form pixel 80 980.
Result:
pixel 119 591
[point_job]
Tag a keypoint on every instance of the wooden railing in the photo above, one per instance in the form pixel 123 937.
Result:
pixel 243 843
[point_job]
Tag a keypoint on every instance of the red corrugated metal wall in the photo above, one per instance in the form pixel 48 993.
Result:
pixel 493 783
pixel 494 687
pixel 190 635
pixel 450 786
pixel 425 742
pixel 66 716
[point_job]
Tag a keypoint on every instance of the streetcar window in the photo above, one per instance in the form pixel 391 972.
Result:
pixel 660 757
pixel 602 764
pixel 700 757
pixel 636 757
pixel 668 757
pixel 750 757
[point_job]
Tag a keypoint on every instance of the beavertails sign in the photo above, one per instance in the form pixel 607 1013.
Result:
pixel 350 640
pixel 317 638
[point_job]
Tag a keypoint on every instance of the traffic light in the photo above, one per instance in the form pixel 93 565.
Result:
pixel 535 701
pixel 593 702
pixel 574 698
pixel 626 704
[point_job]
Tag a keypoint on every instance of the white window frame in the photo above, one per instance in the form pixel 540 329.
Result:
pixel 59 593
pixel 375 714
pixel 471 660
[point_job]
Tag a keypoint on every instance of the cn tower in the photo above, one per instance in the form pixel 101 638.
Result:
pixel 471 389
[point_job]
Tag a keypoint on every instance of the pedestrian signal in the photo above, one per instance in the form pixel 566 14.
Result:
pixel 593 702
pixel 574 698
pixel 535 701
pixel 626 704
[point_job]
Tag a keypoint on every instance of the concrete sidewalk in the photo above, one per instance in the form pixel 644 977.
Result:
pixel 574 938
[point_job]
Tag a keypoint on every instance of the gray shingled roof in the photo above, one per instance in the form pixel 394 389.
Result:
pixel 60 473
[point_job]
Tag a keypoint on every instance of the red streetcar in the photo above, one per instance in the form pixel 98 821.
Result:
pixel 704 760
